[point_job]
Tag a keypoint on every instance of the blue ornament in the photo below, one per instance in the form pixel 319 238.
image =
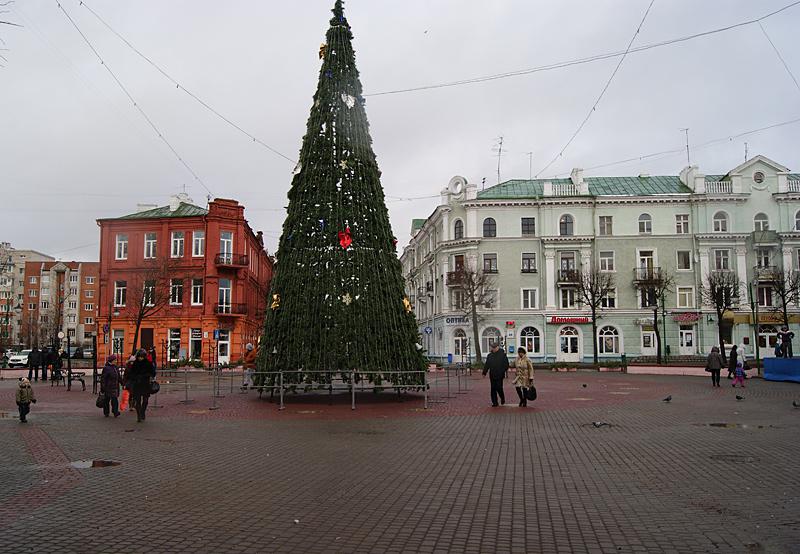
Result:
pixel 328 73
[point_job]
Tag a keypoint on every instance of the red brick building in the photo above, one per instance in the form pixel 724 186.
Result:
pixel 59 297
pixel 203 273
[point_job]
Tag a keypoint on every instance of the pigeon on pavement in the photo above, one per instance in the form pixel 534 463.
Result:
pixel 584 385
pixel 795 404
pixel 739 397
pixel 668 399
pixel 599 423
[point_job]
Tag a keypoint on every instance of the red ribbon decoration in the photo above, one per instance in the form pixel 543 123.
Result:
pixel 345 240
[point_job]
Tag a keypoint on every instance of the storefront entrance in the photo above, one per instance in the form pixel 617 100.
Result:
pixel 569 345
pixel 686 338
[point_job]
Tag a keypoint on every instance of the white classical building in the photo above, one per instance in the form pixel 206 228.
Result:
pixel 535 236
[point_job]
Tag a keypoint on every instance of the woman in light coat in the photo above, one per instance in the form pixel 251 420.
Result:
pixel 524 378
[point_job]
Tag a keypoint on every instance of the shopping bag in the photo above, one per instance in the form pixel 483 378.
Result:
pixel 100 400
pixel 530 393
pixel 123 403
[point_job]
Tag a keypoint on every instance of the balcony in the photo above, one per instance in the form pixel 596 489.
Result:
pixel 794 186
pixel 230 310
pixel 455 278
pixel 645 275
pixel 719 187
pixel 569 276
pixel 766 273
pixel 226 259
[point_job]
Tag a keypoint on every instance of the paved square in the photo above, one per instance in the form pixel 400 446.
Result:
pixel 704 473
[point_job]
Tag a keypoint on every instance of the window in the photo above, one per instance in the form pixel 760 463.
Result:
pixel 765 297
pixel 609 301
pixel 71 332
pixel 685 297
pixel 226 246
pixel 528 262
pixel 528 226
pixel 569 298
pixel 72 318
pixel 648 298
pixel 149 246
pixel 224 296
pixel 606 225
pixel 177 244
pixel 73 278
pixel 88 307
pixel 720 222
pixel 32 293
pixel 45 291
pixel 530 300
pixel 176 292
pixel 31 307
pixel 44 319
pixel 797 221
pixel 490 263
pixel 149 293
pixel 761 222
pixel 458 229
pixel 682 224
pixel 531 340
pixel 490 336
pixel 460 343
pixel 90 280
pixel 197 292
pixel 490 302
pixel 33 280
pixel 458 299
pixel 758 177
pixel 198 244
pixel 89 294
pixel 722 260
pixel 72 305
pixel 88 321
pixel 73 291
pixel 607 261
pixel 684 260
pixel 120 293
pixel 122 247
pixel 118 340
pixel 44 305
pixel 566 226
pixel 763 256
pixel 608 340
pixel 645 224
pixel 489 227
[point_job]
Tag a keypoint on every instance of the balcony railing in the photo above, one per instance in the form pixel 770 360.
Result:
pixel 565 189
pixel 794 186
pixel 455 278
pixel 491 270
pixel 765 273
pixel 569 276
pixel 231 309
pixel 231 260
pixel 719 187
pixel 646 274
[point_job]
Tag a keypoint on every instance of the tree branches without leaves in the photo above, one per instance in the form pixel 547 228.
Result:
pixel 721 291
pixel 594 287
pixel 476 292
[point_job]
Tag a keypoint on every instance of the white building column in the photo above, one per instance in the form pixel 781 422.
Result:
pixel 445 288
pixel 586 260
pixel 445 226
pixel 787 259
pixel 550 275
pixel 741 269
pixel 704 270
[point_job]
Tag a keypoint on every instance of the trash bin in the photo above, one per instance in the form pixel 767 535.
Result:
pixel 449 358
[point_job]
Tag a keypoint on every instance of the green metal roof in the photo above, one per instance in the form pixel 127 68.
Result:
pixel 184 210
pixel 598 186
pixel 417 224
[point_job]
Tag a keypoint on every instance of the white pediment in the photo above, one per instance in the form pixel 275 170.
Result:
pixel 756 160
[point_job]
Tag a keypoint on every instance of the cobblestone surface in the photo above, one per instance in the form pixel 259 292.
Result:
pixel 704 473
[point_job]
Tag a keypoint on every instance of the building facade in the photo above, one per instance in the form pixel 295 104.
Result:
pixel 12 292
pixel 534 237
pixel 203 275
pixel 59 297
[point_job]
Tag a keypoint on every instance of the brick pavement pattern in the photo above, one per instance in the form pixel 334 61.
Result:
pixel 703 473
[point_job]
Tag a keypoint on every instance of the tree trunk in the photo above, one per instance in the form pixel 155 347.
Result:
pixel 594 333
pixel 721 340
pixel 136 335
pixel 475 337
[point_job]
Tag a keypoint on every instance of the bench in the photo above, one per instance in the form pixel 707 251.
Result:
pixel 59 375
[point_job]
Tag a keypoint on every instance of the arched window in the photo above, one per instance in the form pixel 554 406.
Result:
pixel 761 222
pixel 458 229
pixel 490 336
pixel 608 340
pixel 566 226
pixel 797 221
pixel 720 222
pixel 489 227
pixel 645 224
pixel 459 343
pixel 530 340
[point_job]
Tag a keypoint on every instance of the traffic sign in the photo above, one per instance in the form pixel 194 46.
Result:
pixel 428 330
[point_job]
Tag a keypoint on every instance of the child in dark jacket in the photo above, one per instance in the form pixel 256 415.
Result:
pixel 25 397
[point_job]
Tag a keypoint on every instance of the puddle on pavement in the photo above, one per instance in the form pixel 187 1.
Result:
pixel 307 412
pixel 735 426
pixel 87 464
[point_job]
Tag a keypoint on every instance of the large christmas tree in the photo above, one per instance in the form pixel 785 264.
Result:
pixel 337 301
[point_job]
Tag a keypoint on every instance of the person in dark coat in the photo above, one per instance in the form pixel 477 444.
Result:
pixel 714 366
pixel 496 366
pixel 109 386
pixel 786 337
pixel 138 378
pixel 43 363
pixel 733 357
pixel 55 364
pixel 34 359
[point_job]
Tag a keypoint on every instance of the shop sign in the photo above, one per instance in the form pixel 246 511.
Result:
pixel 686 317
pixel 197 334
pixel 456 320
pixel 569 319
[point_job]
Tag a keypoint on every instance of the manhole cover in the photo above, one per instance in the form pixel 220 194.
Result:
pixel 734 458
pixel 86 464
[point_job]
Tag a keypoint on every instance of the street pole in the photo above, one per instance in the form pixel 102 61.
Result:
pixel 69 363
pixel 664 324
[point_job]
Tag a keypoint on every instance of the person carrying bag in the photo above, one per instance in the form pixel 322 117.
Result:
pixel 523 382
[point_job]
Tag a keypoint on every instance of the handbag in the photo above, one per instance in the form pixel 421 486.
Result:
pixel 154 387
pixel 530 393
pixel 101 398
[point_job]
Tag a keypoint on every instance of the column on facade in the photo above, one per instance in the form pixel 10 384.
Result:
pixel 550 275
pixel 704 266
pixel 787 258
pixel 586 259
pixel 472 223
pixel 445 288
pixel 741 269
pixel 445 226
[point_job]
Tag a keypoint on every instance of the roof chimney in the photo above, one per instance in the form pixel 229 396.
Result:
pixel 577 176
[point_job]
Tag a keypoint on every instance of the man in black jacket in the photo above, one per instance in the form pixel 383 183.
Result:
pixel 496 366
pixel 34 359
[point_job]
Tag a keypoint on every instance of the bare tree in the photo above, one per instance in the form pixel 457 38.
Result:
pixel 475 287
pixel 721 290
pixel 786 287
pixel 149 291
pixel 654 283
pixel 594 287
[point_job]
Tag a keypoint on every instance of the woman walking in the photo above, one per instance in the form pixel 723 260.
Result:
pixel 524 378
pixel 732 359
pixel 714 365
pixel 138 376
pixel 109 386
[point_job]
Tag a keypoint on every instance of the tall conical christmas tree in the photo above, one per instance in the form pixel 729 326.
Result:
pixel 337 301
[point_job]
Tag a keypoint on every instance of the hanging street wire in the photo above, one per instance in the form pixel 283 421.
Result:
pixel 602 92
pixel 133 101
pixel 588 59
pixel 184 89
pixel 777 52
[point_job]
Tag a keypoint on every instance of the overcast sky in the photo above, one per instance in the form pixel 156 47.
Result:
pixel 74 149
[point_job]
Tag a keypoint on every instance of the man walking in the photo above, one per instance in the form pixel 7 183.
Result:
pixel 496 366
pixel 34 359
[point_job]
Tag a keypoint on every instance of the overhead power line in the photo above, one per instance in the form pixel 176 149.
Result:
pixel 777 52
pixel 580 61
pixel 184 89
pixel 133 101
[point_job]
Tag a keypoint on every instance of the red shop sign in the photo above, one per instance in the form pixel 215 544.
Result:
pixel 568 319
pixel 686 317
